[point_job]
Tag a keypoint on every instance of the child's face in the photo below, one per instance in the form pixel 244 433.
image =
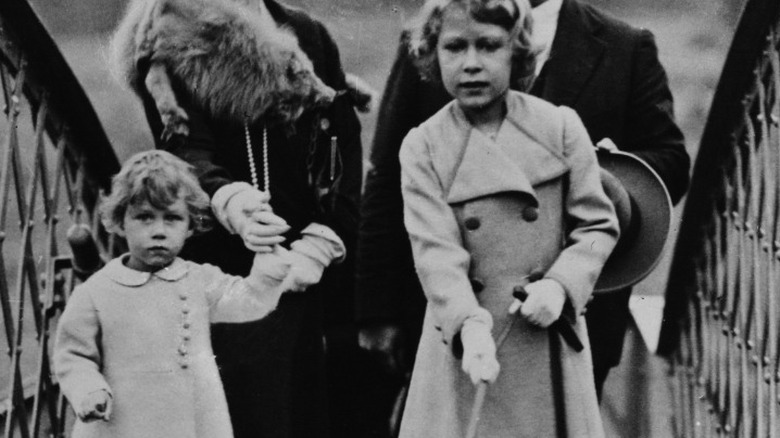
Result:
pixel 155 236
pixel 475 61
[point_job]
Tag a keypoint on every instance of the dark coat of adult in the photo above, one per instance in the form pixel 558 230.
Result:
pixel 273 369
pixel 604 69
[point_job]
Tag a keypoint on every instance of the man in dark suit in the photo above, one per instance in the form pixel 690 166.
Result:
pixel 604 69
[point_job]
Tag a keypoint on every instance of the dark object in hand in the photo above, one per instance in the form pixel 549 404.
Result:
pixel 562 326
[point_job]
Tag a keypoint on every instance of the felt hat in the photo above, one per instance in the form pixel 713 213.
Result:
pixel 644 211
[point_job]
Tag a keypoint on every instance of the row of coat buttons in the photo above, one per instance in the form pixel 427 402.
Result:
pixel 530 214
pixel 185 331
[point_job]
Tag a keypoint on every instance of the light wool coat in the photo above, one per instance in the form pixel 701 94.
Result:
pixel 482 215
pixel 145 339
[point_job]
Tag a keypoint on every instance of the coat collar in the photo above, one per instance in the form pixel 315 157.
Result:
pixel 576 51
pixel 118 272
pixel 515 162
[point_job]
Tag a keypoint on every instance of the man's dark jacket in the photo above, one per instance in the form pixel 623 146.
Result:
pixel 604 69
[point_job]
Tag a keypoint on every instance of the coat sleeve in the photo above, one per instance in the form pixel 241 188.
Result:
pixel 441 261
pixel 77 352
pixel 344 215
pixel 651 130
pixel 342 212
pixel 234 299
pixel 199 148
pixel 590 217
pixel 384 262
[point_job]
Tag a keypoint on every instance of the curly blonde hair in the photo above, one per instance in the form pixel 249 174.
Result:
pixel 159 178
pixel 514 16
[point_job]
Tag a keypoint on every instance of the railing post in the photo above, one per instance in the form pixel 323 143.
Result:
pixel 728 249
pixel 47 114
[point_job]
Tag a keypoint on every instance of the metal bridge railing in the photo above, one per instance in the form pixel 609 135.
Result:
pixel 722 319
pixel 54 159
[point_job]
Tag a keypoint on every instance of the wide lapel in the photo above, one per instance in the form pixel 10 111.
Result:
pixel 515 162
pixel 575 53
pixel 486 170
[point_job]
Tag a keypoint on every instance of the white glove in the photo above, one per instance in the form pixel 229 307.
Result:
pixel 479 351
pixel 317 248
pixel 270 269
pixel 320 243
pixel 97 405
pixel 607 144
pixel 544 304
pixel 304 272
pixel 244 210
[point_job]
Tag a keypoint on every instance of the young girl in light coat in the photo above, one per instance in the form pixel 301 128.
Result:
pixel 133 352
pixel 499 188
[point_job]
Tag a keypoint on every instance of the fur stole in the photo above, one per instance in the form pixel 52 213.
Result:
pixel 230 56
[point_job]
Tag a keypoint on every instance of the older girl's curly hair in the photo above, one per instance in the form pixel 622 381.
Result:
pixel 512 15
pixel 159 178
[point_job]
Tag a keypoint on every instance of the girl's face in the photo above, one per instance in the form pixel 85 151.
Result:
pixel 155 236
pixel 475 61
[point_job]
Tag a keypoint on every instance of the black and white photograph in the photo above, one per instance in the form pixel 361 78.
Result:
pixel 390 218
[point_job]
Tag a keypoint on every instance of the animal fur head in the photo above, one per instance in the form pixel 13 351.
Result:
pixel 228 55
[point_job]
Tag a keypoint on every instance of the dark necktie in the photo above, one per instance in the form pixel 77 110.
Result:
pixel 537 87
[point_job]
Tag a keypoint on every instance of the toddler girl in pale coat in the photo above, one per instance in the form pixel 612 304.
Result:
pixel 133 345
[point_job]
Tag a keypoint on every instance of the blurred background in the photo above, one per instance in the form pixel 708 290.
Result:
pixel 693 37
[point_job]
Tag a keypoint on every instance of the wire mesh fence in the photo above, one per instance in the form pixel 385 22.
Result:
pixel 54 160
pixel 721 319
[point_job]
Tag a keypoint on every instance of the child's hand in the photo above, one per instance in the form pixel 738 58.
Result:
pixel 544 304
pixel 305 271
pixel 270 269
pixel 479 352
pixel 95 406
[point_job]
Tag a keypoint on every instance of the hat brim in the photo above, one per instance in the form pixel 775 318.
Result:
pixel 651 219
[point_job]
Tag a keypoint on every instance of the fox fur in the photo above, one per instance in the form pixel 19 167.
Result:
pixel 230 56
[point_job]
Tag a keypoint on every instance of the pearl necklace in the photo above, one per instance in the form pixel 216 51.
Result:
pixel 251 155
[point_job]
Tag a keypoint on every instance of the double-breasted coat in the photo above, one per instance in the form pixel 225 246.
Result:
pixel 482 215
pixel 144 338
pixel 607 71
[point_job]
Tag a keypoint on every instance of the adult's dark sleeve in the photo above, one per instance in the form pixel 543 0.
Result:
pixel 651 131
pixel 199 148
pixel 384 265
pixel 346 127
pixel 342 217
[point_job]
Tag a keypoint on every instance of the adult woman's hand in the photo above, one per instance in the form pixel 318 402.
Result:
pixel 245 210
pixel 262 230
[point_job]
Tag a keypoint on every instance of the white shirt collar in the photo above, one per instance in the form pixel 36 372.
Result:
pixel 545 24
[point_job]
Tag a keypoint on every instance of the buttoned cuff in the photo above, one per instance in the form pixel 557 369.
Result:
pixel 320 243
pixel 220 201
